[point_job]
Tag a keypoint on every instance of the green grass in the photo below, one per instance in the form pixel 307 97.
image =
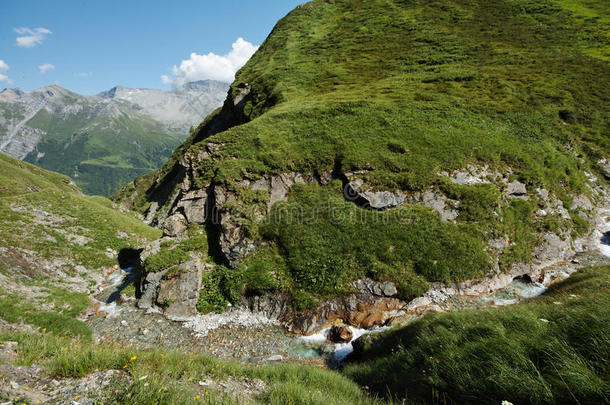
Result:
pixel 172 376
pixel 64 212
pixel 329 247
pixel 549 350
pixel 172 254
pixel 60 320
pixel 448 82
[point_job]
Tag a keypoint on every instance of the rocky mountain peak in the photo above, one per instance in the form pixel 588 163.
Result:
pixel 10 94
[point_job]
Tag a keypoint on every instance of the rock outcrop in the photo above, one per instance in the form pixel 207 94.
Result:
pixel 179 290
pixel 516 188
pixel 377 200
pixel 373 304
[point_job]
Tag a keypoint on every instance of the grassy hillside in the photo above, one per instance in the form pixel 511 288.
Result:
pixel 407 89
pixel 400 92
pixel 45 213
pixel 56 243
pixel 553 349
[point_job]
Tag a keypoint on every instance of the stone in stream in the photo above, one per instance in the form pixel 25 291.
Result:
pixel 340 334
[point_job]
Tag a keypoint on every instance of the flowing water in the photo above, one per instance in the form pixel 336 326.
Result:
pixel 317 345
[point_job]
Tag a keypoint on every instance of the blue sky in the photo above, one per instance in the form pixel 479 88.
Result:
pixel 95 45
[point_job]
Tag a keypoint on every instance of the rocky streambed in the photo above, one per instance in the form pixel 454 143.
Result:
pixel 248 336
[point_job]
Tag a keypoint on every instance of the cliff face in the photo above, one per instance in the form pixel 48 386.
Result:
pixel 414 142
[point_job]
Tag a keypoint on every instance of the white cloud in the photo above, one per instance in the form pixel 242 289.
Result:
pixel 31 37
pixel 83 74
pixel 212 66
pixel 4 77
pixel 45 67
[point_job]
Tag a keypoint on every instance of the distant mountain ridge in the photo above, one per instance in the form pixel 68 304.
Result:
pixel 104 140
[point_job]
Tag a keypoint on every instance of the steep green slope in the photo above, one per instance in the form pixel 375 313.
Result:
pixel 551 350
pixel 45 215
pixel 398 95
pixel 55 245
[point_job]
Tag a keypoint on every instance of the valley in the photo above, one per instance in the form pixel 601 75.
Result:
pixel 393 202
pixel 106 140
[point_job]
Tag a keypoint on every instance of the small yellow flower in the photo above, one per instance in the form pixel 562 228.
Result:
pixel 196 396
pixel 76 397
pixel 133 358
pixel 125 366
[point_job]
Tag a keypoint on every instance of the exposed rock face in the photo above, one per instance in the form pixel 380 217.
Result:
pixel 553 248
pixel 377 200
pixel 436 200
pixel 372 305
pixel 355 191
pixel 174 225
pixel 194 206
pixel 472 175
pixel 178 293
pixel 340 334
pixel 553 205
pixel 274 306
pixel 516 188
pixel 280 185
pixel 150 289
pixel 380 289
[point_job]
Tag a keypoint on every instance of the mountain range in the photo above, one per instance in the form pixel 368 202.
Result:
pixel 104 140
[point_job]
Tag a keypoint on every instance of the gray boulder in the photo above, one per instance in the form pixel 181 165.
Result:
pixel 376 200
pixel 179 290
pixel 516 188
pixel 174 225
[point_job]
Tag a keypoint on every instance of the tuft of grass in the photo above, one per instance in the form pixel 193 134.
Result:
pixel 172 254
